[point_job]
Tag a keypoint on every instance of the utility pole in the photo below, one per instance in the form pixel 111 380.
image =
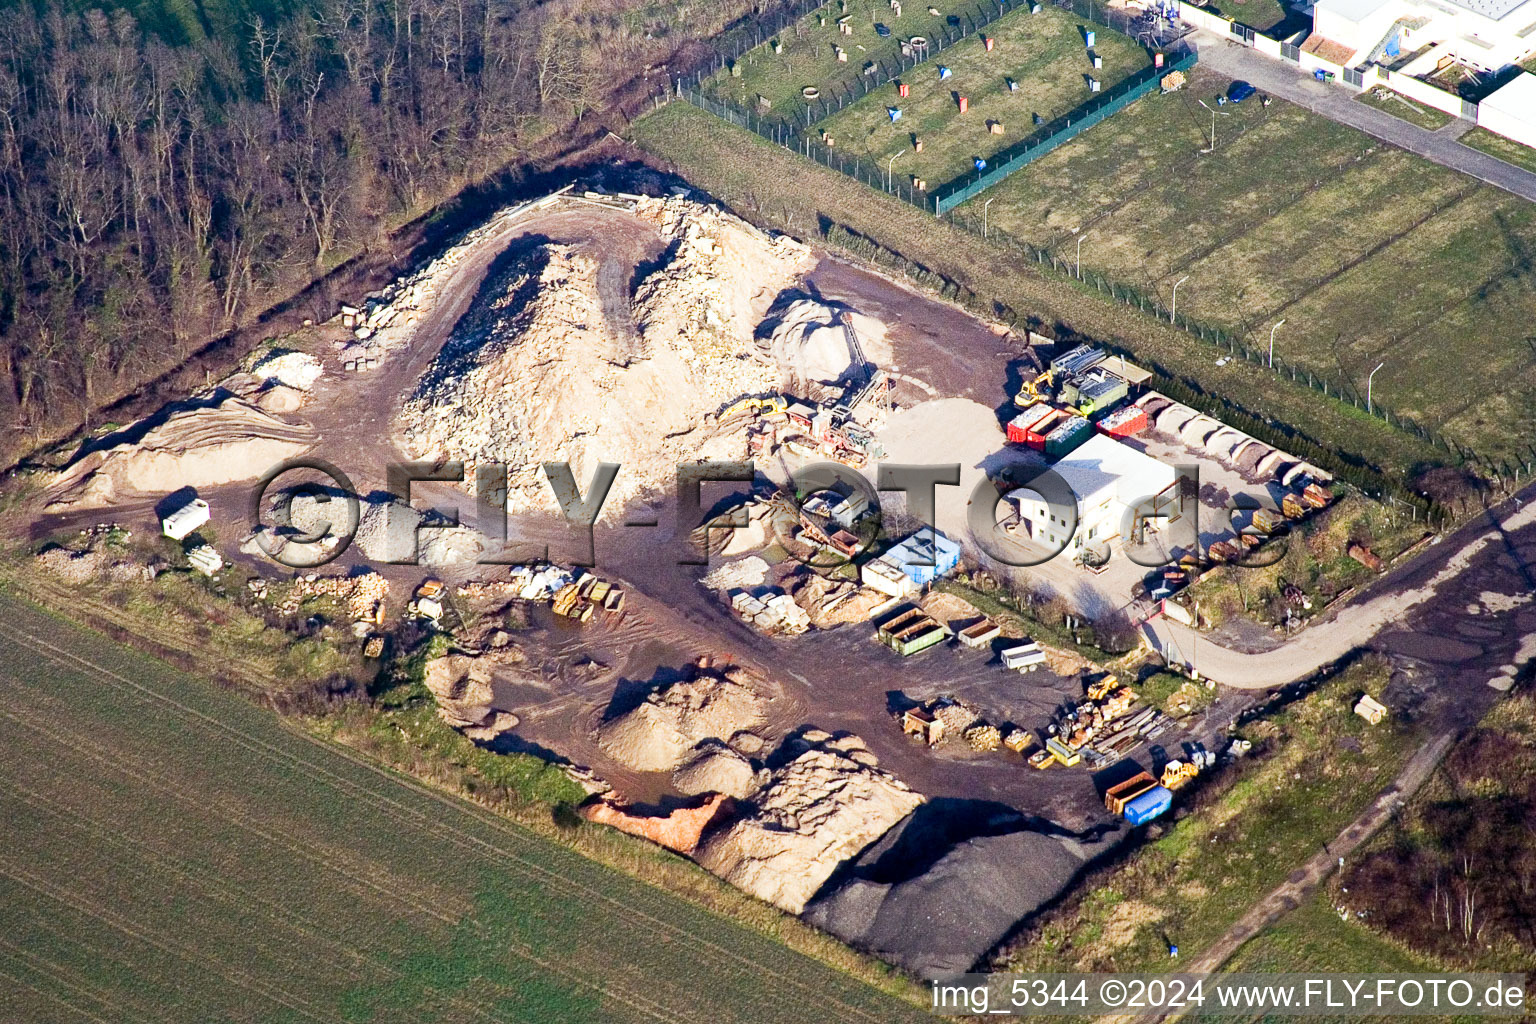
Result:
pixel 888 164
pixel 1368 381
pixel 984 206
pixel 1173 314
pixel 1079 267
pixel 1272 331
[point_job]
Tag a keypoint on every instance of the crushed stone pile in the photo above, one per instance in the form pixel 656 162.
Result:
pixel 539 375
pixel 679 831
pixel 744 572
pixel 829 801
pixel 806 340
pixel 660 734
pixel 298 370
pixel 93 563
pixel 717 768
pixel 198 443
pixel 969 870
pixel 461 685
pixel 387 318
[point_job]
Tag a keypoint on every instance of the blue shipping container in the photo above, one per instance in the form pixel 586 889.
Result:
pixel 1149 805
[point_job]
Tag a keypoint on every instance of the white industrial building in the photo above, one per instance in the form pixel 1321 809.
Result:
pixel 1487 35
pixel 1108 479
pixel 1511 110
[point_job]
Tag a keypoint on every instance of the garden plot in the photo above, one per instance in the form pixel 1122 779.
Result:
pixel 1044 55
pixel 806 54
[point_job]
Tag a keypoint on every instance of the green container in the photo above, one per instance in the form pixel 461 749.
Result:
pixel 1065 438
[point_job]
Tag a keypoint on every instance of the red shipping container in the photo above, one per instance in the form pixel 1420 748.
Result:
pixel 964 104
pixel 987 42
pixel 903 89
pixel 1124 422
pixel 1034 435
pixel 1157 60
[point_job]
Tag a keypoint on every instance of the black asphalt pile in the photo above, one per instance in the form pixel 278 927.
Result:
pixel 948 883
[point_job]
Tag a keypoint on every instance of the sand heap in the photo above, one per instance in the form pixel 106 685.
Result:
pixel 662 732
pixel 198 443
pixel 679 830
pixel 716 768
pixel 806 340
pixel 461 684
pixel 821 808
pixel 538 374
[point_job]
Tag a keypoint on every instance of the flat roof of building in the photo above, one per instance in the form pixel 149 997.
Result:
pixel 1495 9
pixel 1516 98
pixel 1102 467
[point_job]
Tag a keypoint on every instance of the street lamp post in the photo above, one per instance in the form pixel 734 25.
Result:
pixel 1173 314
pixel 888 164
pixel 1368 384
pixel 1272 331
pixel 984 206
pixel 1079 268
pixel 1212 147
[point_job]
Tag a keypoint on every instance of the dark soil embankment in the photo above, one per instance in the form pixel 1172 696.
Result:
pixel 951 881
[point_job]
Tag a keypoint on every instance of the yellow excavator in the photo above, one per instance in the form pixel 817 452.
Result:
pixel 771 407
pixel 1030 392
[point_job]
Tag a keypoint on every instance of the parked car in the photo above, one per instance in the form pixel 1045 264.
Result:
pixel 1240 91
pixel 882 30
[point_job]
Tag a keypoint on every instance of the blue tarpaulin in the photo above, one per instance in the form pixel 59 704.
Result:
pixel 895 113
pixel 943 72
pixel 981 164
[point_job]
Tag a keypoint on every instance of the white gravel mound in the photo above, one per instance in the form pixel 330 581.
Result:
pixel 293 369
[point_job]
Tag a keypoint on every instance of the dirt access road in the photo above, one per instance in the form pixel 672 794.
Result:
pixel 1421 610
pixel 1300 884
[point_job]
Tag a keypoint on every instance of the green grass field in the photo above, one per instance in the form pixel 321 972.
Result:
pixel 1044 53
pixel 1368 253
pixel 174 853
pixel 1497 145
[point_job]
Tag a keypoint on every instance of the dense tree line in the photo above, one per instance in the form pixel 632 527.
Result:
pixel 151 194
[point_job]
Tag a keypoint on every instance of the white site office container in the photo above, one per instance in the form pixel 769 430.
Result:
pixel 179 524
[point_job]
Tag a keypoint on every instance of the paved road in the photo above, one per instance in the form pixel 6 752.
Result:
pixel 1289 82
pixel 1428 577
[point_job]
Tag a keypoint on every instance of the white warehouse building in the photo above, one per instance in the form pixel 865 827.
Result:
pixel 1108 479
pixel 1488 35
pixel 1511 110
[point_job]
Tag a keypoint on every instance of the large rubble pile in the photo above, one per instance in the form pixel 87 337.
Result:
pixel 661 733
pixel 537 373
pixel 969 870
pixel 203 442
pixel 388 317
pixel 828 802
pixel 707 299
